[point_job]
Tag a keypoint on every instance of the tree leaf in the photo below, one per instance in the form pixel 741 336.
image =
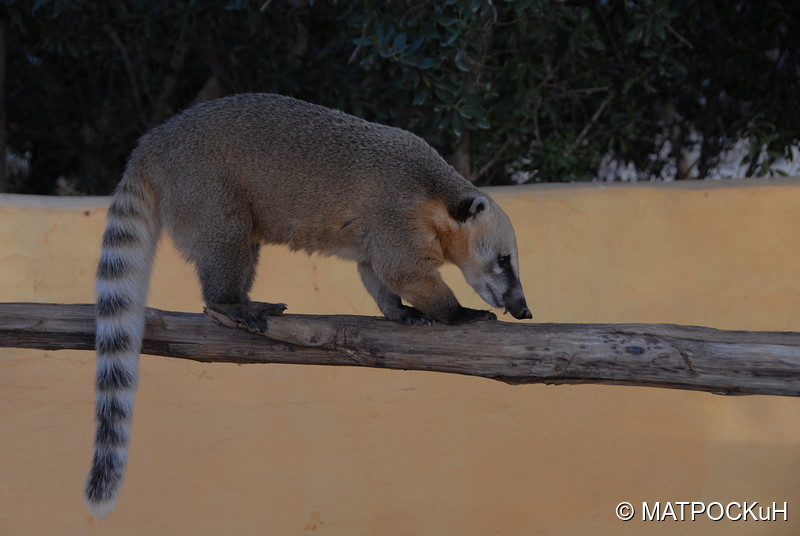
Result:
pixel 426 63
pixel 461 61
pixel 400 42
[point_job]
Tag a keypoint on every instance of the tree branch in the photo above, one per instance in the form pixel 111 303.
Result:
pixel 647 355
pixel 169 80
pixel 3 178
pixel 137 87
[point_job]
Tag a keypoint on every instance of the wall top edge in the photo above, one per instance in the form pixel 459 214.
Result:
pixel 707 184
pixel 52 201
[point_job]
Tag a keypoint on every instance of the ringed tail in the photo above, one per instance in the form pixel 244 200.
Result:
pixel 123 278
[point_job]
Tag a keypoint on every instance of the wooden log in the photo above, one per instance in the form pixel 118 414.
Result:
pixel 647 355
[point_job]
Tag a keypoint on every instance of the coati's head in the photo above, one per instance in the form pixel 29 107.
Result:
pixel 485 249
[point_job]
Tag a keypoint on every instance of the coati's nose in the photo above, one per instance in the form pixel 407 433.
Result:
pixel 525 313
pixel 518 308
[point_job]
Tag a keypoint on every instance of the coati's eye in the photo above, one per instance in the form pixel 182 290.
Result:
pixel 504 260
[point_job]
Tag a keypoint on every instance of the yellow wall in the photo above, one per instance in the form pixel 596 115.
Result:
pixel 285 450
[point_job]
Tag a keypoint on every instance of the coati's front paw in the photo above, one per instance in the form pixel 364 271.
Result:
pixel 413 317
pixel 466 316
pixel 410 316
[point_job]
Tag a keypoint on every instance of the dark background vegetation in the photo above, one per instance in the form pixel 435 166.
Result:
pixel 545 86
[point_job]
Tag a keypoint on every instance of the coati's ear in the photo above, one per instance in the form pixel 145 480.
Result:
pixel 479 204
pixel 470 208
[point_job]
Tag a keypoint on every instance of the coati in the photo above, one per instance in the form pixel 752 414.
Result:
pixel 233 173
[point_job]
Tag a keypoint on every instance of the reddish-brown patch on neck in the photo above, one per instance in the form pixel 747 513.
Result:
pixel 449 241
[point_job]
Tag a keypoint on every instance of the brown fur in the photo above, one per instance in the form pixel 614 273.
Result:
pixel 452 241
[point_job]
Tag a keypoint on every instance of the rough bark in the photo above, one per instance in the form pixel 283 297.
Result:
pixel 647 355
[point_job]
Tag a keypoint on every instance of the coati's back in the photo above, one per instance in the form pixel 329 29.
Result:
pixel 299 167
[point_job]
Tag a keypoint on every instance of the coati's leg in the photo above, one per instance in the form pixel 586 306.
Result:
pixel 430 295
pixel 216 232
pixel 226 273
pixel 388 302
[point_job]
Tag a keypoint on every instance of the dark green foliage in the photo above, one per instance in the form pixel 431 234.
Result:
pixel 548 87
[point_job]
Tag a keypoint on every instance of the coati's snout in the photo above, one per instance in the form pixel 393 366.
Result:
pixel 501 288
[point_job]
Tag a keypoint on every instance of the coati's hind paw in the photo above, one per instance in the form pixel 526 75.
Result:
pixel 269 309
pixel 250 315
pixel 256 314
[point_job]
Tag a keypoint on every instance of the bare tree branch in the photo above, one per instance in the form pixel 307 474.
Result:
pixel 647 355
pixel 3 177
pixel 137 86
pixel 169 81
